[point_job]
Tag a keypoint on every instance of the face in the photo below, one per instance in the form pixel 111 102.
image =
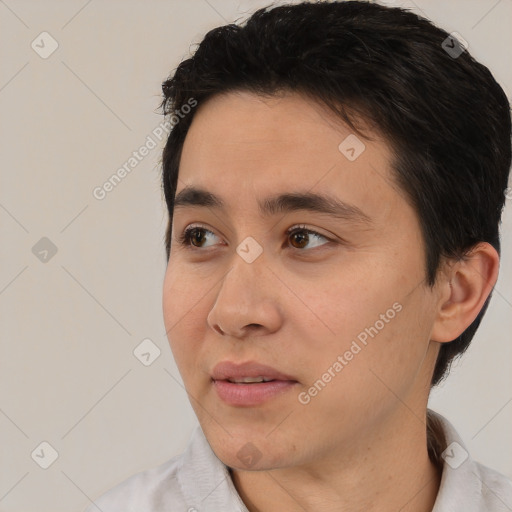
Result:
pixel 325 299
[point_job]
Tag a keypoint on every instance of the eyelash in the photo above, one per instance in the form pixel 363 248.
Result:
pixel 185 237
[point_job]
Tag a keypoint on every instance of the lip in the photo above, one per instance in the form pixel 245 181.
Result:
pixel 249 394
pixel 230 370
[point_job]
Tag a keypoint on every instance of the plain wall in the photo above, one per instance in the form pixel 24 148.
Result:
pixel 69 325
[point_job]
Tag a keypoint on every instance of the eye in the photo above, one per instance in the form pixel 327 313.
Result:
pixel 195 236
pixel 302 235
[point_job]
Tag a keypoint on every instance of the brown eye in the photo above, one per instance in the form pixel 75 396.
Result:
pixel 195 236
pixel 303 236
pixel 300 237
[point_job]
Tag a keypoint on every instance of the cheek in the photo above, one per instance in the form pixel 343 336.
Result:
pixel 183 307
pixel 354 383
pixel 393 349
pixel 379 327
pixel 172 297
pixel 346 308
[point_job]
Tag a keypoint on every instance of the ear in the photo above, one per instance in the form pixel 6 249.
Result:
pixel 464 286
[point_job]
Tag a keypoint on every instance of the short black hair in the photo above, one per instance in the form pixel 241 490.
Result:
pixel 444 116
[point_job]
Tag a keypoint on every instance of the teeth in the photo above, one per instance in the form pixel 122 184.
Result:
pixel 250 380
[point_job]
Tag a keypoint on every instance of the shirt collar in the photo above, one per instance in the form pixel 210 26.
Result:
pixel 465 484
pixel 205 480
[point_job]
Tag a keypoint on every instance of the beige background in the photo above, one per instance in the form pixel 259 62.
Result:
pixel 69 325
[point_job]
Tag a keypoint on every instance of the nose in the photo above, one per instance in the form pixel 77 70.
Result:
pixel 247 302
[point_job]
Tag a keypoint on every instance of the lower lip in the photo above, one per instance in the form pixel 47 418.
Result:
pixel 250 394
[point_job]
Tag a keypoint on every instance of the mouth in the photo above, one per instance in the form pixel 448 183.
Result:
pixel 249 384
pixel 250 380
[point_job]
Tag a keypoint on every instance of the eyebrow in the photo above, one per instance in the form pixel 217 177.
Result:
pixel 281 203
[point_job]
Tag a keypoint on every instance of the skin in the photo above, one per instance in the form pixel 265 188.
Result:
pixel 360 443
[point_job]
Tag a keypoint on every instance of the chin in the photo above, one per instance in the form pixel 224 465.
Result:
pixel 244 449
pixel 248 457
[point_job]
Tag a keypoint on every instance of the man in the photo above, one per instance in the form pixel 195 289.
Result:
pixel 334 190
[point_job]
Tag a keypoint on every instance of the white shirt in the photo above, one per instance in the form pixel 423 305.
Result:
pixel 197 481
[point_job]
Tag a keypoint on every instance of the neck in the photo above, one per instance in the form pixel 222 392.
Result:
pixel 393 469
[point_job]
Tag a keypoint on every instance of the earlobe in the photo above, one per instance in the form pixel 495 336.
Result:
pixel 463 290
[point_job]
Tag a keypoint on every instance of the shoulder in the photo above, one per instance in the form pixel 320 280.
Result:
pixel 196 478
pixel 146 490
pixel 495 490
pixel 467 485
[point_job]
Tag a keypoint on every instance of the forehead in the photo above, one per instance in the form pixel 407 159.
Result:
pixel 287 127
pixel 242 145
